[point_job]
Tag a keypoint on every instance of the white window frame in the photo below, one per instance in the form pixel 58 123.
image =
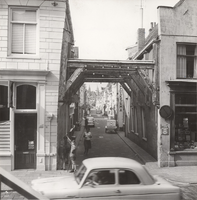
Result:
pixel 182 58
pixel 15 98
pixel 14 55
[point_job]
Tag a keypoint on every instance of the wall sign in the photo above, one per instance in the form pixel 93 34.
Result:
pixel 165 130
pixel 166 112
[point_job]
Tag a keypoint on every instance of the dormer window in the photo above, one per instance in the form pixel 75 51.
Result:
pixel 186 61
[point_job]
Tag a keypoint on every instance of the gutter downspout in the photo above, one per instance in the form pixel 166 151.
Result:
pixel 50 117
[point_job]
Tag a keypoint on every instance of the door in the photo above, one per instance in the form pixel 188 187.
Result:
pixel 100 184
pixel 25 140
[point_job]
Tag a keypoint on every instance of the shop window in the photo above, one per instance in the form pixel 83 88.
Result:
pixel 4 110
pixel 185 121
pixel 23 29
pixel 186 61
pixel 26 97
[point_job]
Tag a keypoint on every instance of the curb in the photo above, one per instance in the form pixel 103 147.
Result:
pixel 136 154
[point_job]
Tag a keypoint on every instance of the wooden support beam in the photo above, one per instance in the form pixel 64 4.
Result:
pixel 104 79
pixel 18 186
pixel 131 86
pixel 78 73
pixel 110 64
pixel 128 90
pixel 138 80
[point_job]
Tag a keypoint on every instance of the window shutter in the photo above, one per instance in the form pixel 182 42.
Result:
pixel 30 39
pixel 17 38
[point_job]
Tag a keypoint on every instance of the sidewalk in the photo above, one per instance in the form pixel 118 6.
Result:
pixel 27 175
pixel 179 174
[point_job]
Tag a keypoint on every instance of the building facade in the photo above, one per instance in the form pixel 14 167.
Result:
pixel 178 83
pixel 32 38
pixel 172 83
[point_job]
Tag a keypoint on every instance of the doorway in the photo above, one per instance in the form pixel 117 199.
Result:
pixel 25 138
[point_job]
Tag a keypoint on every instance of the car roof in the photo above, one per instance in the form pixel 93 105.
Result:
pixel 111 162
pixel 119 162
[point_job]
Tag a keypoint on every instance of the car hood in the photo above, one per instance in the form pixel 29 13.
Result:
pixel 44 185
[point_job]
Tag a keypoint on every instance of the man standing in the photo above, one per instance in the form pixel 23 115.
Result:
pixel 63 152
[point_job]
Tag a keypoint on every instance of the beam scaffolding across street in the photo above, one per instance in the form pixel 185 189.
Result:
pixel 110 64
pixel 122 71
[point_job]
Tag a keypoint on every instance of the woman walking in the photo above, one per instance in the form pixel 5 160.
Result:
pixel 87 140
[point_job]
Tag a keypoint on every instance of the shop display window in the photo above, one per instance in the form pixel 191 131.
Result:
pixel 185 121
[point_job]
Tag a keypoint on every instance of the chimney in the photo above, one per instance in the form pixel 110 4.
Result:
pixel 141 38
pixel 152 24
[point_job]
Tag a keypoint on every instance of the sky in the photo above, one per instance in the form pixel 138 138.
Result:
pixel 103 29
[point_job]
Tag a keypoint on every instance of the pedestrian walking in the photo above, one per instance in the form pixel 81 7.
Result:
pixel 72 155
pixel 86 122
pixel 87 140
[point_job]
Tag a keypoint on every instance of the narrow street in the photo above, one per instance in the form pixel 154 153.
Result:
pixel 110 144
pixel 105 144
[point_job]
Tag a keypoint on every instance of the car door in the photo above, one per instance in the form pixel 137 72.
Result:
pixel 106 187
pixel 130 187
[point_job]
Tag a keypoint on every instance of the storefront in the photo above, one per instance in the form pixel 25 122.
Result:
pixel 183 141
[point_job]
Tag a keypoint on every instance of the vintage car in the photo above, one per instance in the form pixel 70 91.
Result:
pixel 91 121
pixel 98 111
pixel 111 126
pixel 108 178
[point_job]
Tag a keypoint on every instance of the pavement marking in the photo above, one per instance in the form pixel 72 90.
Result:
pixel 100 136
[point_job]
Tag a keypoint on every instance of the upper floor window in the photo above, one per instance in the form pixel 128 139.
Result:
pixel 23 29
pixel 186 61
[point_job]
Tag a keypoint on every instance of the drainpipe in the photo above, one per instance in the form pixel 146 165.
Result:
pixel 50 117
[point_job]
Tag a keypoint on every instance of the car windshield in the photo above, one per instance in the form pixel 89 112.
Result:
pixel 79 174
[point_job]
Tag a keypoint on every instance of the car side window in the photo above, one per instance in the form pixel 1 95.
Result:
pixel 107 177
pixel 127 177
pixel 101 177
